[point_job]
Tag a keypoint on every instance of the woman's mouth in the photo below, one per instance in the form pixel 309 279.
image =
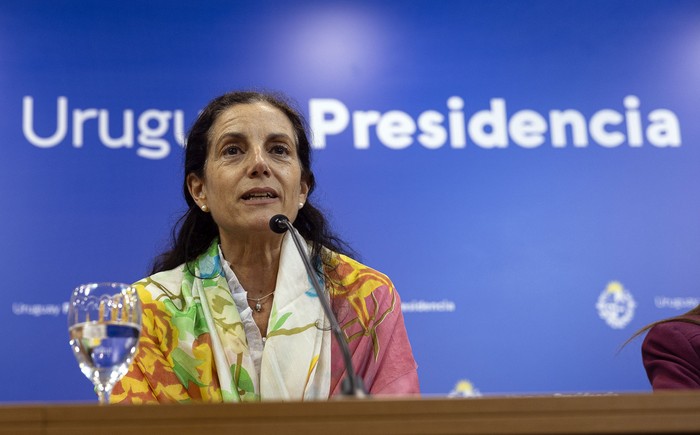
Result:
pixel 259 195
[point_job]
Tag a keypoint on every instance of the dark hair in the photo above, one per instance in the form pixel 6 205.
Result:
pixel 685 317
pixel 681 318
pixel 195 230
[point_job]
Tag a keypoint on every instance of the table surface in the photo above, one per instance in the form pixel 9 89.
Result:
pixel 668 412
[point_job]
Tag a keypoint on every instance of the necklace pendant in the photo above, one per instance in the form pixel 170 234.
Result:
pixel 258 307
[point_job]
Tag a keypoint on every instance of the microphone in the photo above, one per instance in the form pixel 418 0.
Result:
pixel 278 223
pixel 351 384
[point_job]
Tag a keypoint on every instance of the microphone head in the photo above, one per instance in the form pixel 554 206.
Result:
pixel 278 223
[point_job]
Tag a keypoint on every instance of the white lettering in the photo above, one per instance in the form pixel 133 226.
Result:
pixel 433 135
pixel 491 128
pixel 395 128
pixel 179 127
pixel 677 303
pixel 495 121
pixel 127 138
pixel 327 116
pixel 36 310
pixel 421 306
pixel 152 138
pixel 558 120
pixel 361 122
pixel 633 120
pixel 664 130
pixel 458 137
pixel 527 128
pixel 79 118
pixel 153 125
pixel 599 133
pixel 28 123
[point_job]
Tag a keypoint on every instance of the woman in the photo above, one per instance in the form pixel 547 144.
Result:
pixel 229 314
pixel 671 352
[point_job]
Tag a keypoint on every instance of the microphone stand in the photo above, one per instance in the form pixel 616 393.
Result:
pixel 352 384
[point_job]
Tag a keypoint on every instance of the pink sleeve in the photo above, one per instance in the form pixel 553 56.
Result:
pixel 381 352
pixel 396 370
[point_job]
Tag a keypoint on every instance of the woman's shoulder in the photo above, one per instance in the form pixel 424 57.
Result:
pixel 671 354
pixel 167 281
pixel 676 326
pixel 674 334
pixel 359 284
pixel 347 271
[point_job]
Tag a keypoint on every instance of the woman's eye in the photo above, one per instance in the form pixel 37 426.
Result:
pixel 280 149
pixel 232 150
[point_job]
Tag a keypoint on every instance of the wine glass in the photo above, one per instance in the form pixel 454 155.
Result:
pixel 104 322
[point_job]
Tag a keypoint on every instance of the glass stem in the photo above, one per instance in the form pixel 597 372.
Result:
pixel 103 394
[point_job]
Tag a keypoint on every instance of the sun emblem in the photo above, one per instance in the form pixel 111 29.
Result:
pixel 464 388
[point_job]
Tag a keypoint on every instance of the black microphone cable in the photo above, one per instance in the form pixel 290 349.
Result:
pixel 352 384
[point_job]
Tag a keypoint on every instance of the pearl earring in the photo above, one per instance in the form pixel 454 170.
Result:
pixel 205 208
pixel 301 204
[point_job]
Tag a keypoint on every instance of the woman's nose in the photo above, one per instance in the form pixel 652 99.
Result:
pixel 259 164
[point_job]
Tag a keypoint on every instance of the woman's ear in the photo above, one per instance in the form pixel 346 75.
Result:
pixel 303 190
pixel 196 187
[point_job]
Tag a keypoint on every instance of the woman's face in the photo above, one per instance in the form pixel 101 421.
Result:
pixel 252 170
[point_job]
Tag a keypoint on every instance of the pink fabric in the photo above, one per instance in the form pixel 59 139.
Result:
pixel 392 371
pixel 365 302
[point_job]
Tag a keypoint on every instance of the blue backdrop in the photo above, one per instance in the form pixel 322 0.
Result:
pixel 524 171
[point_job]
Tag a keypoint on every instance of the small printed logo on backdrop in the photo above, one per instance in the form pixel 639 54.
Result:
pixel 464 388
pixel 616 305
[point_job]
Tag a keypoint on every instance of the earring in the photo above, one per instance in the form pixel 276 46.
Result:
pixel 205 208
pixel 301 204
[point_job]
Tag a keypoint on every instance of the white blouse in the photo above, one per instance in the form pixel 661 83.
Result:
pixel 256 342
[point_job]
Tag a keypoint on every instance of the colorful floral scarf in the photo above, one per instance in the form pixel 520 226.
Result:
pixel 193 345
pixel 296 357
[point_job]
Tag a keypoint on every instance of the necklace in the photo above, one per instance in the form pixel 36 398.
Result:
pixel 258 305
